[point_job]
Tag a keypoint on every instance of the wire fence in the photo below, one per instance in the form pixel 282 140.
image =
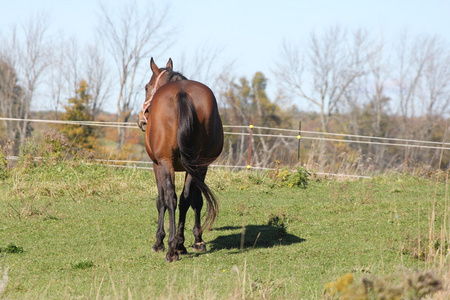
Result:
pixel 276 133
pixel 116 163
pixel 404 142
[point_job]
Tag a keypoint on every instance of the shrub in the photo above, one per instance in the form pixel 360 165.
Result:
pixel 52 148
pixel 28 153
pixel 298 178
pixel 55 145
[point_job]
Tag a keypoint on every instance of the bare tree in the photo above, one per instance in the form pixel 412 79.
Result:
pixel 95 71
pixel 71 65
pixel 332 69
pixel 422 78
pixel 130 37
pixel 434 95
pixel 203 66
pixel 57 82
pixel 412 57
pixel 65 72
pixel 370 102
pixel 10 92
pixel 28 55
pixel 379 75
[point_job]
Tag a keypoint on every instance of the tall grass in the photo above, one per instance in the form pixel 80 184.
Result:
pixel 86 232
pixel 433 248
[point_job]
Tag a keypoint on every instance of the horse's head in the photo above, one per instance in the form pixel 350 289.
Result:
pixel 159 78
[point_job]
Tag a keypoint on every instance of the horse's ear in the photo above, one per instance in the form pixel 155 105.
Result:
pixel 169 64
pixel 154 67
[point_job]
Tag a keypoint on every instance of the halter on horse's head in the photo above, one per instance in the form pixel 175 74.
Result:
pixel 159 78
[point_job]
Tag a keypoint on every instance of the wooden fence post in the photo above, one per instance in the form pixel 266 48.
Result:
pixel 298 138
pixel 250 145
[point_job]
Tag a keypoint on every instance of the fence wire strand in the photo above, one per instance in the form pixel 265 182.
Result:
pixel 134 126
pixel 398 142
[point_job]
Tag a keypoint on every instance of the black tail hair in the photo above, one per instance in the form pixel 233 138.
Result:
pixel 194 165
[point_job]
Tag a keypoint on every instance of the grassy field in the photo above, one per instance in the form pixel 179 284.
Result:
pixel 79 231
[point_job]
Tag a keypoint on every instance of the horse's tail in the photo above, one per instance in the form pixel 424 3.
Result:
pixel 195 166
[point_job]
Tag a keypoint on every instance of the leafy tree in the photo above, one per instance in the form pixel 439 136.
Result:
pixel 246 102
pixel 78 109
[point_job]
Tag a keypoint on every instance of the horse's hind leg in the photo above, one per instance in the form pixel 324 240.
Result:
pixel 161 207
pixel 160 233
pixel 184 207
pixel 191 196
pixel 197 204
pixel 166 178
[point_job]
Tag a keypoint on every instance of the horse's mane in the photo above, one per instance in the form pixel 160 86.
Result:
pixel 175 76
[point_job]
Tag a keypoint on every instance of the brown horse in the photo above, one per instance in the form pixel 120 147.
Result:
pixel 183 132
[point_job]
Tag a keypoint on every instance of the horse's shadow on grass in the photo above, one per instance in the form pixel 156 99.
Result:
pixel 252 237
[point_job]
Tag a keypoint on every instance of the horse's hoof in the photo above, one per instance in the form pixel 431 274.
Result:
pixel 182 250
pixel 158 248
pixel 172 257
pixel 199 247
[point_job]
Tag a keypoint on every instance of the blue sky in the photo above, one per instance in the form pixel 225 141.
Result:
pixel 250 32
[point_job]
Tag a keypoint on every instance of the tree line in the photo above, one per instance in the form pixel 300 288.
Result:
pixel 364 85
pixel 351 81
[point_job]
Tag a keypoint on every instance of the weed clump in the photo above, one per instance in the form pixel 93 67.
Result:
pixel 427 248
pixel 408 285
pixel 55 144
pixel 340 287
pixel 4 172
pixel 11 248
pixel 298 178
pixel 53 148
pixel 281 223
pixel 83 265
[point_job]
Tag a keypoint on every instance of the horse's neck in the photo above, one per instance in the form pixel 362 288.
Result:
pixel 177 77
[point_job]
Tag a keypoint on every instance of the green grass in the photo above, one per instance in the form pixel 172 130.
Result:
pixel 86 232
